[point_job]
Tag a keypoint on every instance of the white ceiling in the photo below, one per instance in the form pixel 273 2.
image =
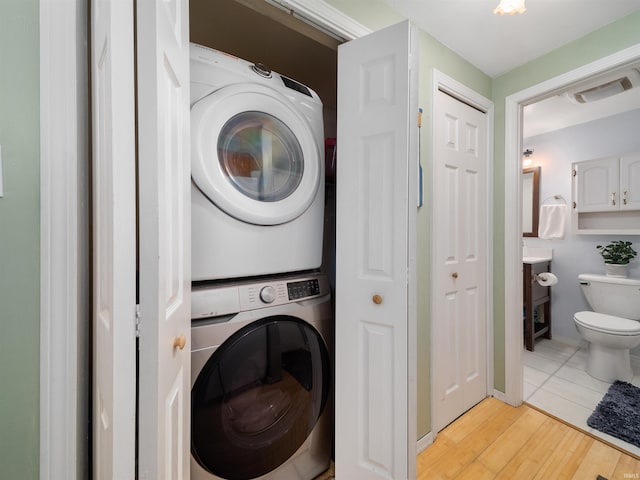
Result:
pixel 497 44
pixel 559 112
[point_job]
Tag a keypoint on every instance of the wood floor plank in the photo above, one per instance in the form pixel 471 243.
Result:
pixel 499 453
pixel 484 412
pixel 601 459
pixel 475 471
pixel 472 445
pixel 564 461
pixel 628 468
pixel 530 458
pixel 496 441
pixel 441 447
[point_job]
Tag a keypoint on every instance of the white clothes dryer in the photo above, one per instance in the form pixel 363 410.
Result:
pixel 257 164
pixel 261 379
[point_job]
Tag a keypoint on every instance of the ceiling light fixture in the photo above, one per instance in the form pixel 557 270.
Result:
pixel 510 7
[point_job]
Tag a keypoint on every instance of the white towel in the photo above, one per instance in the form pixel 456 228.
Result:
pixel 552 221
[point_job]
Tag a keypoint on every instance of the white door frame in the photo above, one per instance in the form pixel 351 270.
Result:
pixel 513 196
pixel 463 93
pixel 64 240
pixel 64 224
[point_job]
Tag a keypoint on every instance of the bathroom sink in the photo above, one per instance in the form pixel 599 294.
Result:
pixel 536 255
pixel 535 259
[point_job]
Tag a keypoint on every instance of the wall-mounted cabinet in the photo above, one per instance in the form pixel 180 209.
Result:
pixel 606 195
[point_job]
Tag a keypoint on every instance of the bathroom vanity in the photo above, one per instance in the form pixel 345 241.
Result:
pixel 537 300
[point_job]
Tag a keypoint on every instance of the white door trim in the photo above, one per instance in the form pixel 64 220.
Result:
pixel 463 93
pixel 323 16
pixel 64 254
pixel 513 216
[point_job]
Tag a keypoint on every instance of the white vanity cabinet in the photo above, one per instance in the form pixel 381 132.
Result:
pixel 606 195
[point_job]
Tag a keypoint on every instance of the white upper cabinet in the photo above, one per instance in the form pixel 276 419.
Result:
pixel 630 181
pixel 606 195
pixel 608 184
pixel 597 185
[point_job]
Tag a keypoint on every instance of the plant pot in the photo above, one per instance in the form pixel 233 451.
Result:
pixel 615 270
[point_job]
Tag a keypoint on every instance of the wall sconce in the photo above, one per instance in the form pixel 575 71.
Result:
pixel 527 159
pixel 510 7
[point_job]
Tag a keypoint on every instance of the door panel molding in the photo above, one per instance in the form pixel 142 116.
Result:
pixel 375 256
pixel 444 83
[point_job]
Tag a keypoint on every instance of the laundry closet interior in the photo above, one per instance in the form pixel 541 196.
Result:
pixel 263 242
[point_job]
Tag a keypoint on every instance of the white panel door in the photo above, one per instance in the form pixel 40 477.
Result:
pixel 164 233
pixel 460 219
pixel 375 258
pixel 114 240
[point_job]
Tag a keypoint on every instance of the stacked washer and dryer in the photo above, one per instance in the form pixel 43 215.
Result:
pixel 262 328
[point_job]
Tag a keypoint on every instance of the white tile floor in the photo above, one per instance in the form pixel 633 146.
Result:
pixel 555 381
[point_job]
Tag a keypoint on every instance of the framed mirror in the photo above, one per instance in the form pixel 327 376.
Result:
pixel 530 201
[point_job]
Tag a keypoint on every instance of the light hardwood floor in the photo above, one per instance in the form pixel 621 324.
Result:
pixel 496 441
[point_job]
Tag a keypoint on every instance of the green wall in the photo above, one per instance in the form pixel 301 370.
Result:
pixel 19 240
pixel 614 37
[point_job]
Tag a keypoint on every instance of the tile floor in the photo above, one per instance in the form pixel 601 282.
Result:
pixel 555 381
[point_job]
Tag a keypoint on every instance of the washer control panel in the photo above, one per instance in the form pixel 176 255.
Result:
pixel 208 302
pixel 281 291
pixel 302 289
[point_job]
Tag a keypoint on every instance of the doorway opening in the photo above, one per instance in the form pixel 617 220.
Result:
pixel 513 192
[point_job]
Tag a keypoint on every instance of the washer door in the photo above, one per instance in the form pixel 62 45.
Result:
pixel 258 397
pixel 254 155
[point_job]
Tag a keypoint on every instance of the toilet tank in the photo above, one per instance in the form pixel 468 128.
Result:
pixel 612 295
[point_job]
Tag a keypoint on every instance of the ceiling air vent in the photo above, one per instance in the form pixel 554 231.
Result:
pixel 611 84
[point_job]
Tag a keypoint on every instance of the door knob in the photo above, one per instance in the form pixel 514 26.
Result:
pixel 377 299
pixel 179 342
pixel 454 274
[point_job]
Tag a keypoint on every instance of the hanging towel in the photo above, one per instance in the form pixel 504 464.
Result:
pixel 552 221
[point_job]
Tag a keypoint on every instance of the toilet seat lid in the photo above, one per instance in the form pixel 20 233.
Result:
pixel 607 323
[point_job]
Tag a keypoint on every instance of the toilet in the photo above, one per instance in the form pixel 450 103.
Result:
pixel 613 327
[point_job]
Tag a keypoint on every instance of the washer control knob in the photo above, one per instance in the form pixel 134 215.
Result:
pixel 268 294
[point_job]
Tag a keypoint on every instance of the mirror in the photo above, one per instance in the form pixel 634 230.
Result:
pixel 530 201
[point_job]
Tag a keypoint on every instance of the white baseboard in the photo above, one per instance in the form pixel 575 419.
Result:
pixel 500 396
pixel 424 442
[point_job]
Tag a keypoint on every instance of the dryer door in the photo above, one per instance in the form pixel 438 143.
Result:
pixel 254 154
pixel 258 397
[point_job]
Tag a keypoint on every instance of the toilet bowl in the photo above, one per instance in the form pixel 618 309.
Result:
pixel 610 339
pixel 612 329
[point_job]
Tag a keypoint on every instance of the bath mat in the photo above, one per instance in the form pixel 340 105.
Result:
pixel 618 413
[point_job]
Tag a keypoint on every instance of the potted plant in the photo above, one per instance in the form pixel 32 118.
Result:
pixel 617 256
